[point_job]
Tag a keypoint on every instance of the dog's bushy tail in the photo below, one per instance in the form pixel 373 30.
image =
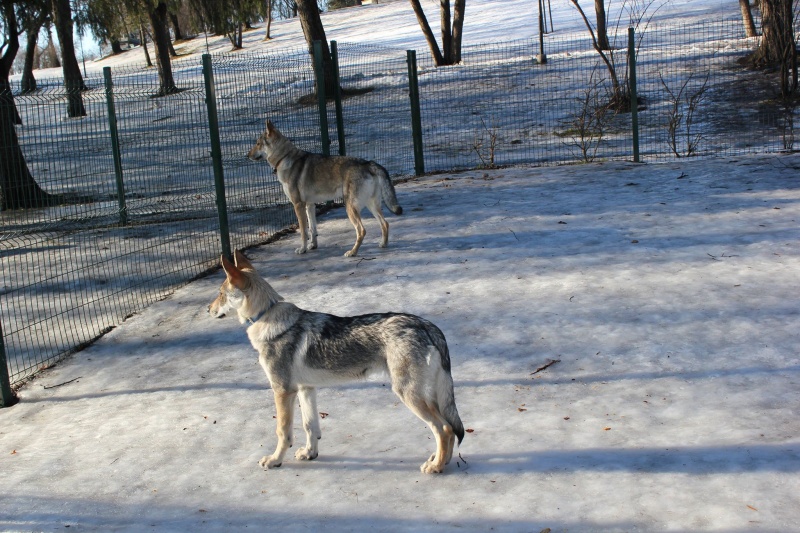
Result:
pixel 387 188
pixel 445 393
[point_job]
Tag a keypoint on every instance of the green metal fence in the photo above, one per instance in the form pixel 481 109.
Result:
pixel 140 180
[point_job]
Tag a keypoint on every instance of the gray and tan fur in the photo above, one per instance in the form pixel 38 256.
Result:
pixel 310 178
pixel 300 350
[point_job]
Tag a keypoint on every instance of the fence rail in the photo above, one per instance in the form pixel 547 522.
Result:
pixel 137 212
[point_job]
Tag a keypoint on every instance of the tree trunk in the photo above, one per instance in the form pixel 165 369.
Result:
pixel 602 31
pixel 116 47
pixel 778 47
pixel 143 34
pixel 313 30
pixel 458 28
pixel 18 189
pixel 438 59
pixel 50 51
pixel 28 82
pixel 267 37
pixel 161 39
pixel 176 27
pixel 73 81
pixel 747 18
pixel 447 35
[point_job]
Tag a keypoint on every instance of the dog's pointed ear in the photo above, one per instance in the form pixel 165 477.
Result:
pixel 271 129
pixel 241 261
pixel 234 275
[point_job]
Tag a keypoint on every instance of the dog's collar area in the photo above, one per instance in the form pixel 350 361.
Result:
pixel 252 320
pixel 277 164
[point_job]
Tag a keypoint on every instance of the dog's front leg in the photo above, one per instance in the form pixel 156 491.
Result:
pixel 311 213
pixel 308 408
pixel 300 212
pixel 284 404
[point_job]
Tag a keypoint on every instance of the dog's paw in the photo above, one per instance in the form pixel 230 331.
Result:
pixel 431 467
pixel 306 454
pixel 269 462
pixel 350 253
pixel 301 250
pixel 313 245
pixel 383 244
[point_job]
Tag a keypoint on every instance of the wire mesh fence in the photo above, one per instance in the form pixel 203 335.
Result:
pixel 131 210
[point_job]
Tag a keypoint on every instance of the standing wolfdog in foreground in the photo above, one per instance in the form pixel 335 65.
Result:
pixel 301 350
pixel 309 178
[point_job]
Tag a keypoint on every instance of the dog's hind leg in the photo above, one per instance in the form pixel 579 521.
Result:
pixel 300 211
pixel 374 207
pixel 308 408
pixel 442 431
pixel 311 213
pixel 353 213
pixel 284 404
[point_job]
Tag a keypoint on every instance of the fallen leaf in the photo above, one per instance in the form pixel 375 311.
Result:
pixel 520 409
pixel 634 241
pixel 751 507
pixel 606 429
pixel 14 452
pixel 469 430
pixel 323 415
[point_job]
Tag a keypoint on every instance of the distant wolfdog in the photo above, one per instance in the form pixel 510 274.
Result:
pixel 300 350
pixel 308 178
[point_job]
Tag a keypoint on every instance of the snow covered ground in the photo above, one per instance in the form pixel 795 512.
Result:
pixel 666 292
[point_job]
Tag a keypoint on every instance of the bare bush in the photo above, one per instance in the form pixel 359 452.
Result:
pixel 684 103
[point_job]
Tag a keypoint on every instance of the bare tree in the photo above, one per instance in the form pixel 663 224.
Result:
pixel 637 13
pixel 450 52
pixel 618 95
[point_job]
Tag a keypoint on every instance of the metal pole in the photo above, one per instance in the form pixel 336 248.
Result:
pixel 416 115
pixel 216 157
pixel 634 102
pixel 115 151
pixel 7 396
pixel 319 70
pixel 338 98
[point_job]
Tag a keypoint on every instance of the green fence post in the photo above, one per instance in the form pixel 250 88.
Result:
pixel 416 117
pixel 216 156
pixel 634 100
pixel 7 396
pixel 112 125
pixel 337 92
pixel 319 71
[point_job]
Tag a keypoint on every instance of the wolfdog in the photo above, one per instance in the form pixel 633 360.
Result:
pixel 308 178
pixel 300 350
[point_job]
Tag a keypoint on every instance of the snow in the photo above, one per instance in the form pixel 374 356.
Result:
pixel 664 291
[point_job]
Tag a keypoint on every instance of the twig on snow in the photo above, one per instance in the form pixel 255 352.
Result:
pixel 65 383
pixel 546 366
